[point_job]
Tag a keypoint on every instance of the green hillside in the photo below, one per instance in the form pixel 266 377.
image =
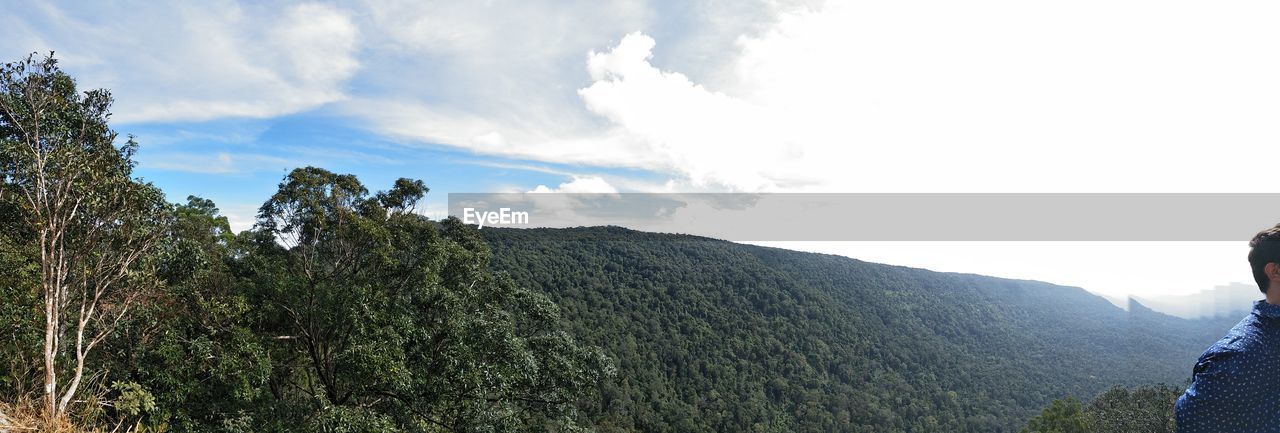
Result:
pixel 716 336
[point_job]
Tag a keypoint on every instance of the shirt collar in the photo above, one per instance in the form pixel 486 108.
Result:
pixel 1262 308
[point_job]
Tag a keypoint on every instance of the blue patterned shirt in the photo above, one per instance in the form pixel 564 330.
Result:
pixel 1236 383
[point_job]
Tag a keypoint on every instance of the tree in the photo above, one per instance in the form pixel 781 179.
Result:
pixel 96 227
pixel 193 346
pixel 380 319
pixel 19 290
pixel 1146 409
pixel 1062 416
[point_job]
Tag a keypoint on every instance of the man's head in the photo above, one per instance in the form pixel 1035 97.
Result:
pixel 1264 257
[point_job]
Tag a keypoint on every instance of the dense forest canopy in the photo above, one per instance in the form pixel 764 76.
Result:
pixel 346 310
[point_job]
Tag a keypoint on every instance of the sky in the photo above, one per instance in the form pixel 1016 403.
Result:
pixel 225 97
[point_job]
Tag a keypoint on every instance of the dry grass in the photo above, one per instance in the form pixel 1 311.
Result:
pixel 21 416
pixel 26 416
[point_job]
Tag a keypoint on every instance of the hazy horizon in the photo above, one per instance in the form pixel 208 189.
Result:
pixel 1147 270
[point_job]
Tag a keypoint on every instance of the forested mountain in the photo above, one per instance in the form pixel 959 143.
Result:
pixel 711 335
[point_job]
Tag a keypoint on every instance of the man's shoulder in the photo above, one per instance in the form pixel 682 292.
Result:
pixel 1247 337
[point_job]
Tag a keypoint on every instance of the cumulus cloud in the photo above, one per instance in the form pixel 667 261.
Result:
pixel 580 184
pixel 506 83
pixel 196 61
pixel 707 136
pixel 987 96
pixel 885 97
pixel 496 78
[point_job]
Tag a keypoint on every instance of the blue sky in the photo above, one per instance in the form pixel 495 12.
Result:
pixel 226 97
pixel 693 95
pixel 240 169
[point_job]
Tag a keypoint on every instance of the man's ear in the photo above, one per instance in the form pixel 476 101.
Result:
pixel 1273 271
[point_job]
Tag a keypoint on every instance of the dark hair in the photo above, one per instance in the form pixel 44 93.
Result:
pixel 1263 249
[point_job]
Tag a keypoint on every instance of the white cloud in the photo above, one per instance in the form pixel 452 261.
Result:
pixel 707 136
pixel 501 78
pixel 197 61
pixel 854 96
pixel 511 166
pixel 511 62
pixel 580 184
pixel 219 163
pixel 987 96
pixel 240 216
pixel 416 122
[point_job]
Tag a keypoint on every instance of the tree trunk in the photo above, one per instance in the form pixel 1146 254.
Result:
pixel 81 350
pixel 50 352
pixel 50 332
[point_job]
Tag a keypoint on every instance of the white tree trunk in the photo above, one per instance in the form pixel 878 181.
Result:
pixel 4 422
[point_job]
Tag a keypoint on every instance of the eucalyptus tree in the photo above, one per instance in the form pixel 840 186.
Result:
pixel 96 227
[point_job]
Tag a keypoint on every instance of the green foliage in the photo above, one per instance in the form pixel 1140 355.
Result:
pixel 340 419
pixel 20 312
pixel 135 402
pixel 369 305
pixel 1062 416
pixel 1145 409
pixel 133 399
pixel 194 346
pixel 373 319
